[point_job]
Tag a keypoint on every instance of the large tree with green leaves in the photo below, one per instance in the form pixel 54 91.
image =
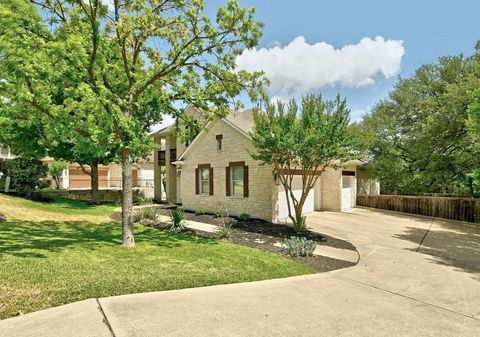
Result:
pixel 134 60
pixel 418 138
pixel 302 140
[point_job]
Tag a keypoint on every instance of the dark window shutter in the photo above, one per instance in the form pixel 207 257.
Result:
pixel 227 180
pixel 245 181
pixel 211 180
pixel 197 186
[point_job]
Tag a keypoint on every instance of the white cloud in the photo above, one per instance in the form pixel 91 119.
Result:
pixel 300 67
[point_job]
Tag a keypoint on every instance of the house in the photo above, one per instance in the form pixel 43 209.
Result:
pixel 109 176
pixel 216 172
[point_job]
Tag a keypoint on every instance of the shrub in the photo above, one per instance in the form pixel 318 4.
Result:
pixel 299 246
pixel 199 212
pixel 224 232
pixel 220 213
pixel 244 217
pixel 56 171
pixel 225 225
pixel 141 200
pixel 177 223
pixel 145 213
pixel 45 183
pixel 25 173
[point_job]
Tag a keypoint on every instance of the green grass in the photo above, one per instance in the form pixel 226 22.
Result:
pixel 45 263
pixel 62 205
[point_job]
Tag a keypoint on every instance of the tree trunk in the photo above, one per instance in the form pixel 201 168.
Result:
pixel 57 182
pixel 127 200
pixel 94 183
pixel 299 224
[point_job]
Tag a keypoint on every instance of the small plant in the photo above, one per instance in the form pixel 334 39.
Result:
pixel 144 213
pixel 244 217
pixel 177 223
pixel 199 211
pixel 226 231
pixel 220 213
pixel 225 225
pixel 141 200
pixel 299 246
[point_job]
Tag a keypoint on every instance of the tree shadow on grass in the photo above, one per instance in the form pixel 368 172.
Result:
pixel 450 244
pixel 34 239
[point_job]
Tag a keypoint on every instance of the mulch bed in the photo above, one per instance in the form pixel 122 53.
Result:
pixel 263 235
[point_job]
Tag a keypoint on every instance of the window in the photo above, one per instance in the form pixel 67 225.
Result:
pixel 236 174
pixel 173 155
pixel 237 180
pixel 219 142
pixel 161 157
pixel 204 181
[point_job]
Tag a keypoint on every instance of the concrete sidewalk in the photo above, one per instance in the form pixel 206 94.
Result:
pixel 416 277
pixel 315 305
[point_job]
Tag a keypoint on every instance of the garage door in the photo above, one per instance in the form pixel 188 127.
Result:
pixel 309 205
pixel 79 180
pixel 347 192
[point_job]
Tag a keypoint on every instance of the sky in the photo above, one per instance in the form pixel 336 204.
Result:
pixel 354 48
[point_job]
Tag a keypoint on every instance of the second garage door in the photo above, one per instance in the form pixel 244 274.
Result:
pixel 79 180
pixel 309 205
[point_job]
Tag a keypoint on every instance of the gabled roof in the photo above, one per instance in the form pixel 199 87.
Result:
pixel 241 121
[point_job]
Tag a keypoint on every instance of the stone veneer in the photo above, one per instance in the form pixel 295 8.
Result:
pixel 235 147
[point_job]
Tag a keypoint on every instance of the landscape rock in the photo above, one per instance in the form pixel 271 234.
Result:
pixel 3 218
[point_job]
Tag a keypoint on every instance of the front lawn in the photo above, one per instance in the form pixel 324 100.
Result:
pixel 51 261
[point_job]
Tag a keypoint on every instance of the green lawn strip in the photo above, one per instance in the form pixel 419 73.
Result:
pixel 62 205
pixel 46 264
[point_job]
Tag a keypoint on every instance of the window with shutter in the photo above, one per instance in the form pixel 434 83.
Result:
pixel 204 177
pixel 237 179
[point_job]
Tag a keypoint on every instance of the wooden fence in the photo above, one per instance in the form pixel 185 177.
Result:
pixel 464 209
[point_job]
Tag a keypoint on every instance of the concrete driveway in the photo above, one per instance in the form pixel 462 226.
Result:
pixel 416 277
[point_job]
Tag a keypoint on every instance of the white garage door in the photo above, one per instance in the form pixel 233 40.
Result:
pixel 347 192
pixel 297 191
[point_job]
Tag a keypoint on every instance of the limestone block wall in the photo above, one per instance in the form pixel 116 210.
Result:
pixel 235 147
pixel 331 187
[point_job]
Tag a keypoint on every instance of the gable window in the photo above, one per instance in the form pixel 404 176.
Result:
pixel 204 179
pixel 237 179
pixel 219 142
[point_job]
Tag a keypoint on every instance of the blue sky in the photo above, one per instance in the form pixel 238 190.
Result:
pixel 428 29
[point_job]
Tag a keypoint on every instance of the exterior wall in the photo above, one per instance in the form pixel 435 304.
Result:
pixel 235 147
pixel 366 183
pixel 157 176
pixel 331 187
pixel 146 175
pixel 171 170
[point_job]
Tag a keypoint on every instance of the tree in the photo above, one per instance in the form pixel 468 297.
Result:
pixel 55 170
pixel 474 113
pixel 418 138
pixel 302 140
pixel 25 173
pixel 136 60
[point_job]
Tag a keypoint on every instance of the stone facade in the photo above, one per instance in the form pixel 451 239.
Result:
pixel 331 189
pixel 235 147
pixel 263 199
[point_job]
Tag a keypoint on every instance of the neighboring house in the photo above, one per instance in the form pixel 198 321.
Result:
pixel 216 172
pixel 109 176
